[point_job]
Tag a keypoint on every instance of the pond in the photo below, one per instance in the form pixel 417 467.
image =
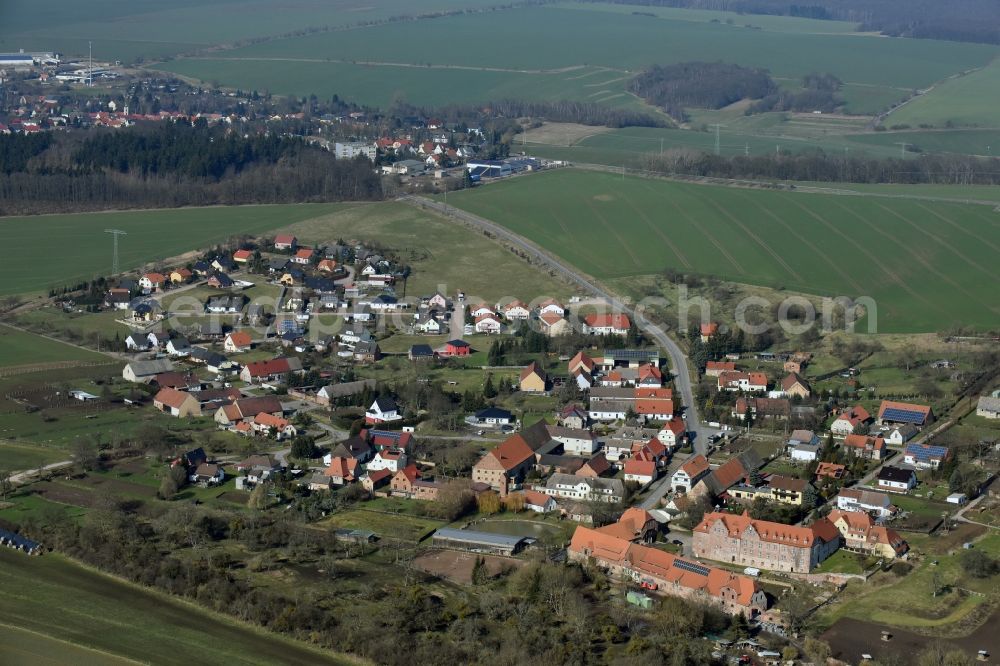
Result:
pixel 523 528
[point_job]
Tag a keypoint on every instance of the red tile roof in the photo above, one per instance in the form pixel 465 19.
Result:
pixel 536 498
pixel 171 397
pixel 271 421
pixel 864 442
pixel 240 338
pixel 910 407
pixel 342 467
pixel 532 369
pixel 661 564
pixel 640 467
pixel 512 452
pixel 794 535
pixel 581 358
pixel 695 466
pixel 855 415
pixel 615 321
pixel 276 366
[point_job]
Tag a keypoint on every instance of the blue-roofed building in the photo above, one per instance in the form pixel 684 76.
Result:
pixel 925 456
pixel 488 168
pixel 18 542
pixel 890 412
pixel 288 325
pixel 631 358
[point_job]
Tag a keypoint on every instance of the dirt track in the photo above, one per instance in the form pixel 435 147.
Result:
pixel 850 638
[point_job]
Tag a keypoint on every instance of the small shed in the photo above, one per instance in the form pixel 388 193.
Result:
pixel 638 599
pixel 957 498
pixel 356 536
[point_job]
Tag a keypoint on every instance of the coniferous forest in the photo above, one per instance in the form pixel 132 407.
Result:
pixel 170 165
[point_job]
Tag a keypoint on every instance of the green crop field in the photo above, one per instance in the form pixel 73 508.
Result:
pixel 56 597
pixel 147 29
pixel 965 100
pixel 48 251
pixel 926 264
pixel 957 193
pixel 24 648
pixel 755 135
pixel 525 40
pixel 380 84
pixel 632 145
pixel 20 348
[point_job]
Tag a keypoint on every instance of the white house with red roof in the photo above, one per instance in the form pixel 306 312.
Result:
pixel 481 310
pixel 151 282
pixel 389 459
pixel 303 256
pixel 748 382
pixel 672 433
pixel 850 419
pixel 285 242
pixel 514 311
pixel 607 324
pixel 690 473
pixel 488 324
pixel 539 502
pixel 551 306
pixel 643 472
pixel 237 341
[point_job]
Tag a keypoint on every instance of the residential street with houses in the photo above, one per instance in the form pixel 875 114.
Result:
pixel 679 366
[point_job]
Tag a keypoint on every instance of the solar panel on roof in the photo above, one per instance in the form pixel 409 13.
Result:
pixel 691 567
pixel 632 354
pixel 903 415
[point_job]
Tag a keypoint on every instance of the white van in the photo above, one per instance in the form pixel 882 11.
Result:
pixel 752 571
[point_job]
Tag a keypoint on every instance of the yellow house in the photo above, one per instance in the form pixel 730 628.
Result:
pixel 794 385
pixel 861 534
pixel 786 490
pixel 533 379
pixel 782 489
pixel 180 275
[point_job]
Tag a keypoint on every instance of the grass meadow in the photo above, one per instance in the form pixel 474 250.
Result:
pixel 964 100
pixel 908 601
pixel 56 597
pixel 20 348
pixel 46 251
pixel 443 255
pixel 926 264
